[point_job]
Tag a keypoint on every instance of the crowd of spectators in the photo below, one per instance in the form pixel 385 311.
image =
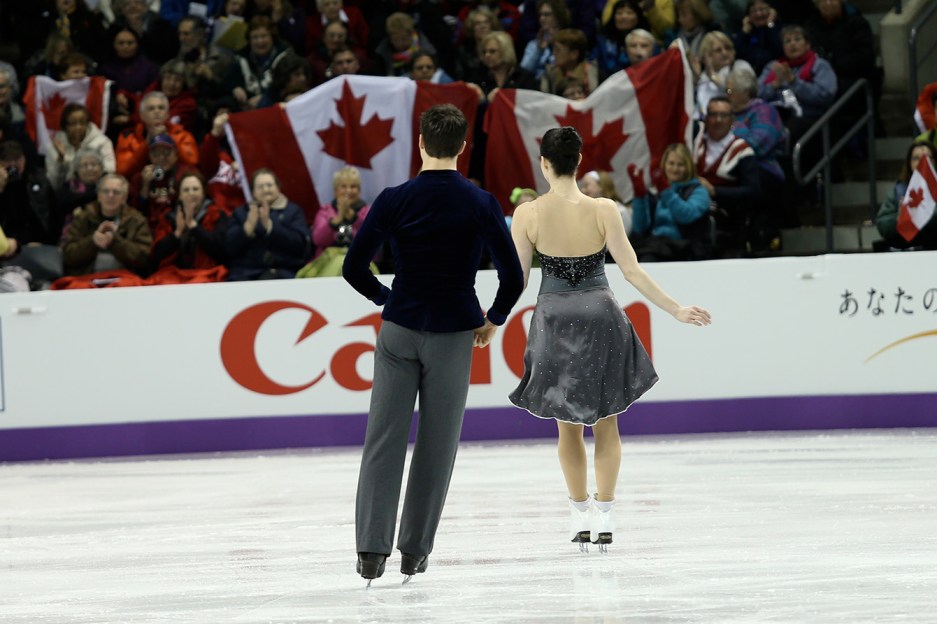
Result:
pixel 160 186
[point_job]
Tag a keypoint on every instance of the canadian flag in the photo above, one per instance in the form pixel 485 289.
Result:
pixel 46 98
pixel 630 118
pixel 917 207
pixel 368 122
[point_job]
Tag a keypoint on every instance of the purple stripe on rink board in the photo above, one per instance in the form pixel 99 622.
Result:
pixel 243 434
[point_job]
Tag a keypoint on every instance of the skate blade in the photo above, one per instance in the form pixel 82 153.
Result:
pixel 368 586
pixel 584 547
pixel 603 548
pixel 407 579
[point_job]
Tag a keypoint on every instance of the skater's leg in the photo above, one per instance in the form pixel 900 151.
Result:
pixel 607 457
pixel 571 449
pixel 393 397
pixel 447 363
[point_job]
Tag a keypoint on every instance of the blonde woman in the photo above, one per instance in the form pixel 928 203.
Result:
pixel 338 221
pixel 717 59
pixel 600 184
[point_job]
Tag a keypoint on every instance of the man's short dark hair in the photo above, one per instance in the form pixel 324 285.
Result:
pixel 719 98
pixel 443 128
pixel 561 147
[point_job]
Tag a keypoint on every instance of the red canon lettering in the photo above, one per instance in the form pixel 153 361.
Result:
pixel 237 346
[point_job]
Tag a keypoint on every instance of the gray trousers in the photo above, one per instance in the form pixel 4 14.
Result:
pixel 408 363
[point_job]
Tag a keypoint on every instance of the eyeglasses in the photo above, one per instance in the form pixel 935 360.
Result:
pixel 107 191
pixel 89 165
pixel 719 115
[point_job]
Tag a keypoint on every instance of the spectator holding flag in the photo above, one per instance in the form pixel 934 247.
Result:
pixel 913 192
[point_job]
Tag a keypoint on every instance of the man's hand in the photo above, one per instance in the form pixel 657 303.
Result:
pixel 484 334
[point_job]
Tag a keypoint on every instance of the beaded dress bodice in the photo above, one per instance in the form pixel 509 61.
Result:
pixel 573 269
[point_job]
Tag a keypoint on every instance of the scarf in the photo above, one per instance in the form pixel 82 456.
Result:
pixel 401 59
pixel 805 62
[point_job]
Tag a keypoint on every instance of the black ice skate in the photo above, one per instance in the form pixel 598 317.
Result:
pixel 580 522
pixel 370 566
pixel 411 564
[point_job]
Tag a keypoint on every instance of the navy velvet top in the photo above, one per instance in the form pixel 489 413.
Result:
pixel 438 225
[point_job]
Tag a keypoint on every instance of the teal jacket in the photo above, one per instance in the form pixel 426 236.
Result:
pixel 669 213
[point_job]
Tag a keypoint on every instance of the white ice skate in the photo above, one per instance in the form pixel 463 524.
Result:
pixel 603 523
pixel 580 519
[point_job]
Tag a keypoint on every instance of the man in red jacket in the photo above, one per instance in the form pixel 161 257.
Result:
pixel 133 145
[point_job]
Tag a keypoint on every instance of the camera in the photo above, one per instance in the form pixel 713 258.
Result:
pixel 158 173
pixel 344 235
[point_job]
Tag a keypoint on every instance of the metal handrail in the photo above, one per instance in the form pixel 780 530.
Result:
pixel 822 125
pixel 912 47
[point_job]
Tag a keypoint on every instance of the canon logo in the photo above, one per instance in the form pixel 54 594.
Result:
pixel 239 356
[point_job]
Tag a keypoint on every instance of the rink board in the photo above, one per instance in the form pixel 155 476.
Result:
pixel 822 342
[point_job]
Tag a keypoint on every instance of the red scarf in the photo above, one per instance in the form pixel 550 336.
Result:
pixel 805 62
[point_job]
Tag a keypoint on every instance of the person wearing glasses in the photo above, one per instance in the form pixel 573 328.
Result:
pixel 107 234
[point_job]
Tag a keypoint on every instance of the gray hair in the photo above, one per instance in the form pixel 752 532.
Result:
pixel 86 152
pixel 155 94
pixel 745 80
pixel 640 33
pixel 7 70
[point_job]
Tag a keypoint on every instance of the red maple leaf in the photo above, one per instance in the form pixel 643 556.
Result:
pixel 52 111
pixel 356 143
pixel 597 149
pixel 916 197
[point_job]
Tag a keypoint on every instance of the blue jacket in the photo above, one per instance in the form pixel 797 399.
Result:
pixel 284 249
pixel 664 215
pixel 437 225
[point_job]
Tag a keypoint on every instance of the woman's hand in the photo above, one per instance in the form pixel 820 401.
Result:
pixel 693 315
pixel 637 181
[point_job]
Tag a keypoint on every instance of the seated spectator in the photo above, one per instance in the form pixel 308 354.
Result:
pixel 611 54
pixel 156 36
pixel 600 184
pixel 519 195
pixel 802 75
pixel 424 69
pixel 191 235
pixel 500 68
pixel 694 20
pixel 130 69
pixel 674 223
pixel 106 8
pixel 338 221
pixel 292 76
pixel 28 212
pixel 155 189
pixel 344 62
pixel 478 23
pixel 330 12
pixel 229 28
pixel 759 39
pixel 640 46
pixel 887 218
pixel 133 145
pixel 75 66
pixel 252 71
pixel 759 124
pixel 538 53
pixel 571 89
pixel 660 14
pixel 77 132
pixel 334 37
pixel 395 52
pixel 581 14
pixel 268 237
pixel 183 108
pixel 506 14
pixel 73 19
pixel 205 65
pixel 717 55
pixel 48 61
pixel 288 18
pixel 219 167
pixel 841 35
pixel 81 187
pixel 107 234
pixel 728 170
pixel 570 48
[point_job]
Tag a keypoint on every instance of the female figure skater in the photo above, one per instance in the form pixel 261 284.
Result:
pixel 583 364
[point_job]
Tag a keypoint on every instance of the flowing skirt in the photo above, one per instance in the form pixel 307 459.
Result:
pixel 583 361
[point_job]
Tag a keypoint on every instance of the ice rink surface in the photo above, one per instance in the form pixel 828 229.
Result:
pixel 806 527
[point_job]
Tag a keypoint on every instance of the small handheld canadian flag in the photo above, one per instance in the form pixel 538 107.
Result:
pixel 917 207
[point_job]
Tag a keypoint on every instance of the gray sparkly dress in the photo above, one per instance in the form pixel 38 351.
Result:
pixel 584 361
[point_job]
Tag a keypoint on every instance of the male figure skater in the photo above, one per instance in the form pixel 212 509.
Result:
pixel 437 225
